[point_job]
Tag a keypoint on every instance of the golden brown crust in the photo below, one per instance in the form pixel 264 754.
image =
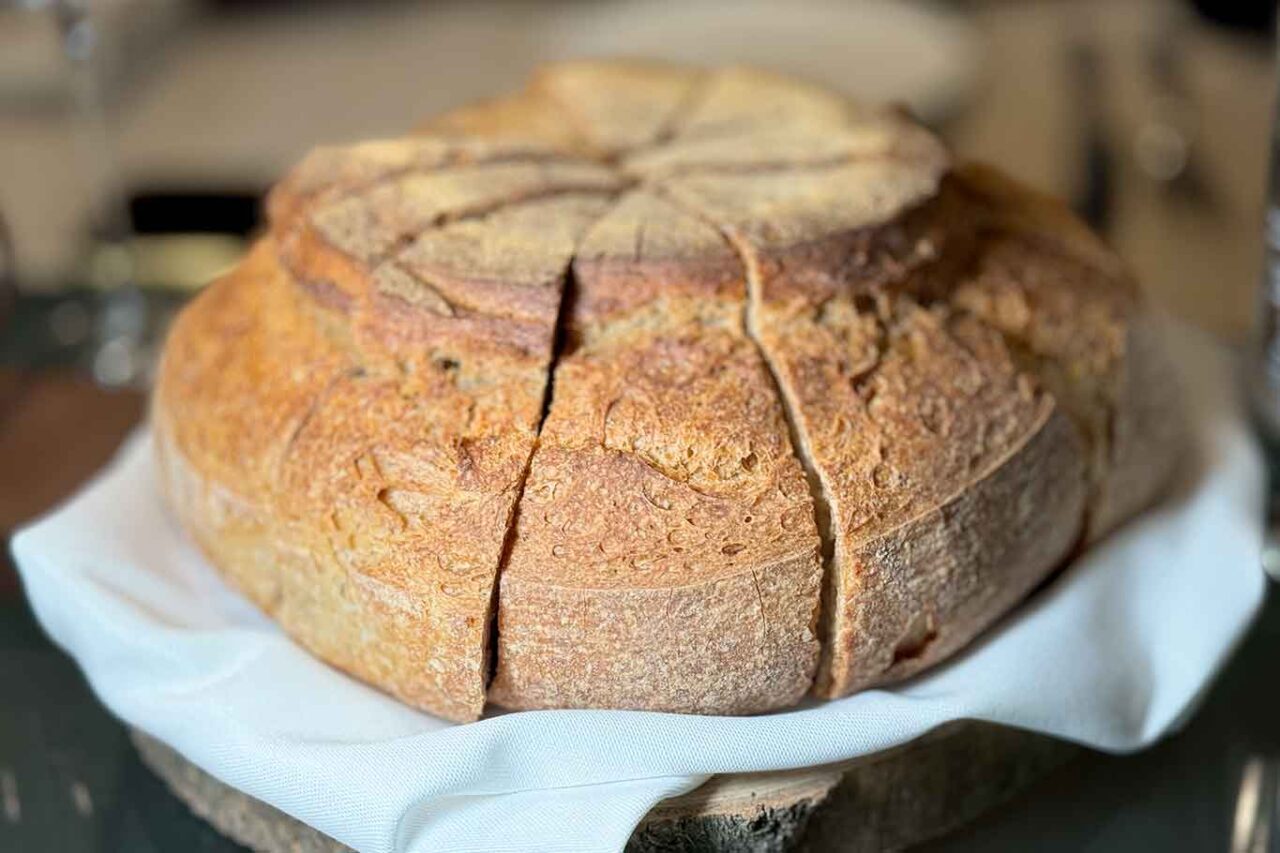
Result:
pixel 742 101
pixel 914 420
pixel 1056 292
pixel 616 106
pixel 646 253
pixel 531 117
pixel 915 594
pixel 700 553
pixel 793 340
pixel 326 488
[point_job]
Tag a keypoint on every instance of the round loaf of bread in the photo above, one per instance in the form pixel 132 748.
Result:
pixel 657 387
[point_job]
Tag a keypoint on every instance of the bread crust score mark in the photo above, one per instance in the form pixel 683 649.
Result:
pixel 703 551
pixel 705 388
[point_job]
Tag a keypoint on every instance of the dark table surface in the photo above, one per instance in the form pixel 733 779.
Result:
pixel 70 780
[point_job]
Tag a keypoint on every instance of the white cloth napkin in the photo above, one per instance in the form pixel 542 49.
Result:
pixel 1113 654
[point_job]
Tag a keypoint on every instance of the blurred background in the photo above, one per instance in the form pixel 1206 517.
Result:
pixel 1151 115
pixel 138 136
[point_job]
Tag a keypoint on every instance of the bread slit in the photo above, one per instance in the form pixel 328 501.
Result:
pixel 818 493
pixel 698 542
pixel 823 501
pixel 837 318
pixel 559 341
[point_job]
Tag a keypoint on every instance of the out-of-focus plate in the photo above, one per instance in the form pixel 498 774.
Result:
pixel 875 50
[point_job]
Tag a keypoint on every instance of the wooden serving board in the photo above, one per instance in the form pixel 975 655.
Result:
pixel 881 802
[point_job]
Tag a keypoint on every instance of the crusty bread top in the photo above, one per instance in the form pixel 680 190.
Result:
pixel 641 327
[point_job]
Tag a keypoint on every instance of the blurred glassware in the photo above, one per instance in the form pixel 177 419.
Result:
pixel 8 273
pixel 120 326
pixel 110 329
pixel 1095 193
pixel 33 70
pixel 1165 144
pixel 1255 828
pixel 1264 370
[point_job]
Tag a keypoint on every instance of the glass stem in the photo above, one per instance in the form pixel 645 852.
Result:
pixel 121 324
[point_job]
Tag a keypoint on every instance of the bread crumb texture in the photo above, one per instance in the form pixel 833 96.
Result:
pixel 661 388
